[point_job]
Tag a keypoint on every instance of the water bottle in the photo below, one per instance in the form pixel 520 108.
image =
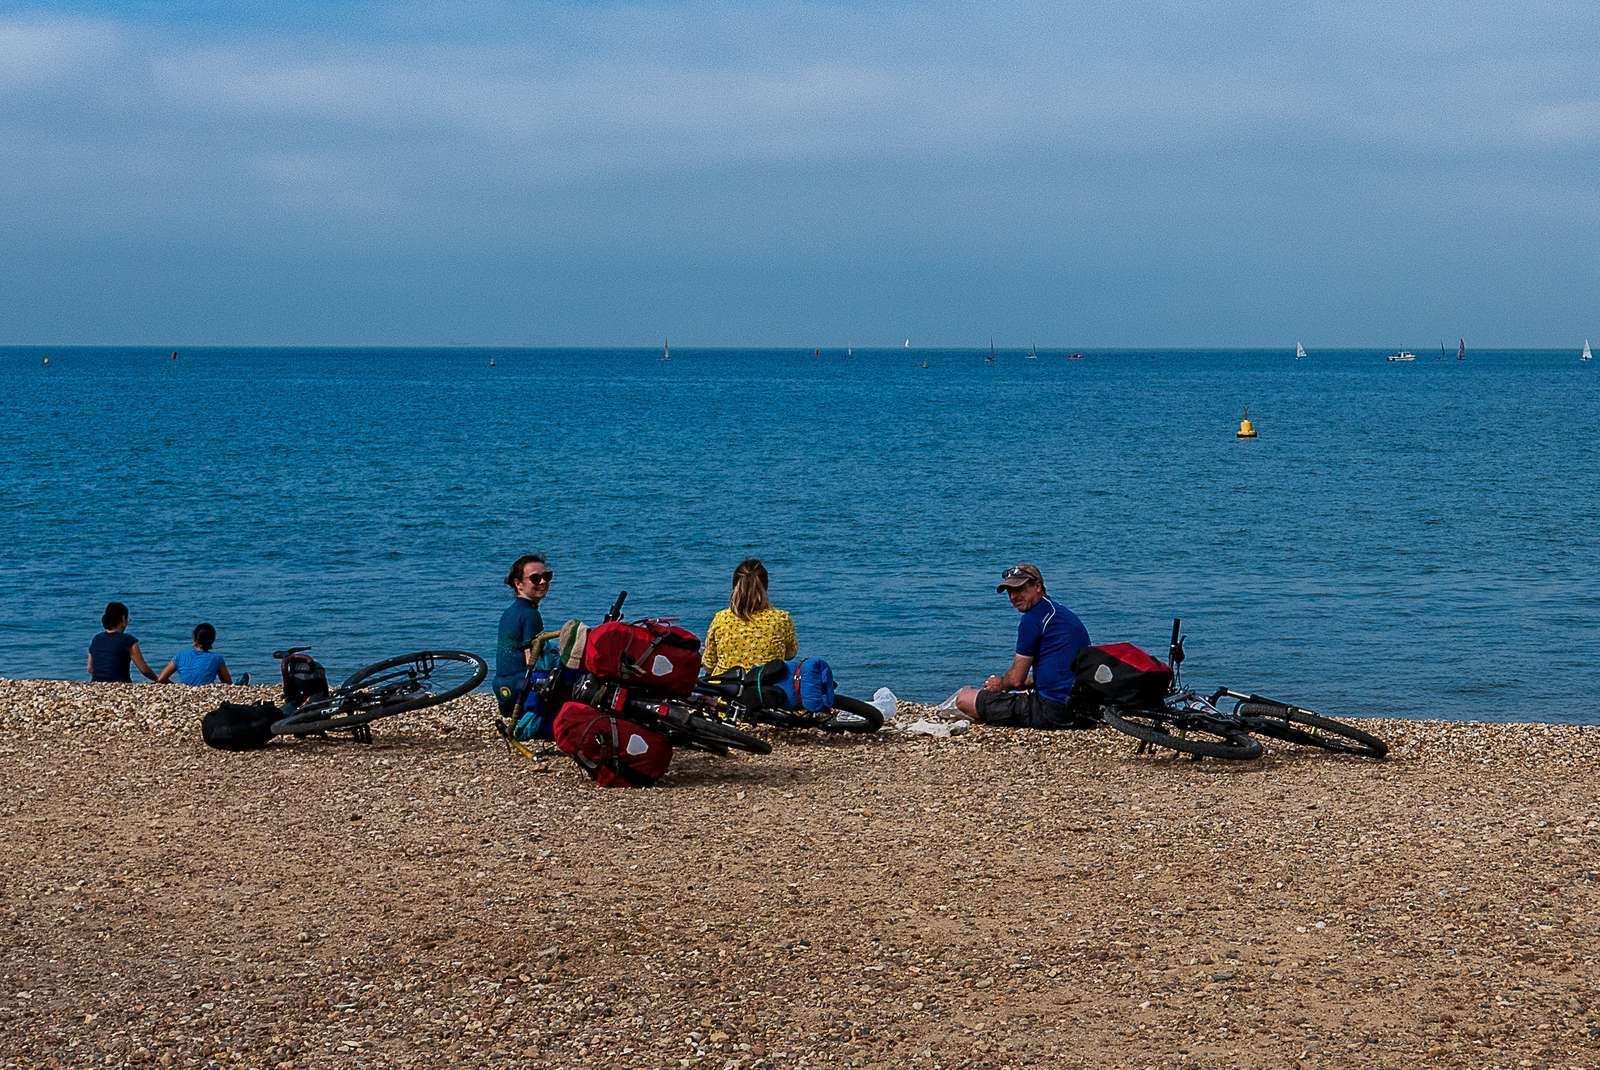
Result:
pixel 884 700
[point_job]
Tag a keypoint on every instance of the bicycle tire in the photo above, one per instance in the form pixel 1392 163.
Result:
pixel 697 730
pixel 1291 724
pixel 1224 740
pixel 853 715
pixel 480 671
pixel 357 702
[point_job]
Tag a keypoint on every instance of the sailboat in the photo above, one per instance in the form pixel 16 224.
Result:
pixel 990 358
pixel 1461 349
pixel 1033 353
pixel 1299 351
pixel 849 353
pixel 666 352
pixel 908 343
pixel 1586 354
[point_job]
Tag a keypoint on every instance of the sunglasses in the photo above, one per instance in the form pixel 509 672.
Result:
pixel 1013 573
pixel 538 577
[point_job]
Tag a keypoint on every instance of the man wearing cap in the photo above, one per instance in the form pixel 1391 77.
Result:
pixel 1049 636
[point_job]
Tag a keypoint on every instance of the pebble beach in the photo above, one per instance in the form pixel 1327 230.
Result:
pixel 1004 898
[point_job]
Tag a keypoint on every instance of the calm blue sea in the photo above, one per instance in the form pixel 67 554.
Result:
pixel 1417 540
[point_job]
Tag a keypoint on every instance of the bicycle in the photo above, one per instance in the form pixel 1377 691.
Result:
pixel 382 689
pixel 676 717
pixel 1258 715
pixel 737 696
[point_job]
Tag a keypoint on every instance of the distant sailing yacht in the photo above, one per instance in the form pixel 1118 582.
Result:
pixel 1033 353
pixel 666 351
pixel 1299 351
pixel 1586 354
pixel 990 358
pixel 1461 349
pixel 908 343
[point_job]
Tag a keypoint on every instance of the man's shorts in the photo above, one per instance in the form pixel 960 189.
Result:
pixel 1025 709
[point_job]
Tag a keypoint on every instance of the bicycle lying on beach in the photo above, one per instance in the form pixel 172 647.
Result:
pixel 383 689
pixel 750 696
pixel 1221 725
pixel 684 721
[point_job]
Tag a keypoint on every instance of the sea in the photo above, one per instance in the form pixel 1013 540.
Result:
pixel 1413 540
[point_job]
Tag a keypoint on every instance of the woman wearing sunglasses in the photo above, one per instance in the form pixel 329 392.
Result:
pixel 529 579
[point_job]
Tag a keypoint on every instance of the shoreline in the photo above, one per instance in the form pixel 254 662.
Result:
pixel 1004 898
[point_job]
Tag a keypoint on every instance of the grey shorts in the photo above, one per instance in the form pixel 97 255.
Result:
pixel 1025 709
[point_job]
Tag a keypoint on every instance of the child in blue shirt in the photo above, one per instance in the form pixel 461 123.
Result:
pixel 200 665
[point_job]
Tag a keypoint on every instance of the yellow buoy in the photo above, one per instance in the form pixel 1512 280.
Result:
pixel 1246 428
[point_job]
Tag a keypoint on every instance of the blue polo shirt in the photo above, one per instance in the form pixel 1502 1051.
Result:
pixel 1051 634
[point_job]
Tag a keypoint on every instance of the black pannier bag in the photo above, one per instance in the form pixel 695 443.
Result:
pixel 1120 673
pixel 304 679
pixel 239 726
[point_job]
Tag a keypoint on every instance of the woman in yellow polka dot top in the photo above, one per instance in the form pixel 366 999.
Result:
pixel 750 631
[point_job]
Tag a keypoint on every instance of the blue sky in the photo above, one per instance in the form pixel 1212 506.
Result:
pixel 800 174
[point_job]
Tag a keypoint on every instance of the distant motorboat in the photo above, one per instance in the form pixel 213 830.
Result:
pixel 1074 356
pixel 1299 351
pixel 1404 356
pixel 491 362
pixel 47 356
pixel 1586 354
pixel 924 364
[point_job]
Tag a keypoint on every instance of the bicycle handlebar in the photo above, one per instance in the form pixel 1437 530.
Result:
pixel 540 638
pixel 615 612
pixel 279 655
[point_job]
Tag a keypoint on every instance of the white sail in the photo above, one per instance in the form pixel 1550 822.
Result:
pixel 1586 354
pixel 1299 351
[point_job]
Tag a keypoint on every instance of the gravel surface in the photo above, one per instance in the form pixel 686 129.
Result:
pixel 1000 899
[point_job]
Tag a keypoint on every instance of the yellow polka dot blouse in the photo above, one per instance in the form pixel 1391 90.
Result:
pixel 734 643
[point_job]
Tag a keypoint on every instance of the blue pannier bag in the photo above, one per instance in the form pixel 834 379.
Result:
pixel 534 723
pixel 807 685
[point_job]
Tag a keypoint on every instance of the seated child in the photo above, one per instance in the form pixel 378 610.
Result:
pixel 200 665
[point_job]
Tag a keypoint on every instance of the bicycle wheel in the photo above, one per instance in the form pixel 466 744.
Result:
pixel 417 681
pixel 1291 724
pixel 336 712
pixel 852 715
pixel 1201 737
pixel 701 732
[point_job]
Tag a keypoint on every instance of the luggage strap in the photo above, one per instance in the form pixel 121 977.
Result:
pixel 621 768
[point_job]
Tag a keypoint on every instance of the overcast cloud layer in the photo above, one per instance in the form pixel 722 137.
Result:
pixel 800 174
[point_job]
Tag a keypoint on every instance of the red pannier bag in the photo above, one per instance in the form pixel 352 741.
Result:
pixel 614 751
pixel 1121 673
pixel 647 654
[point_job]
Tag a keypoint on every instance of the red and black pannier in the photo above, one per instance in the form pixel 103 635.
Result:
pixel 647 654
pixel 614 751
pixel 1121 673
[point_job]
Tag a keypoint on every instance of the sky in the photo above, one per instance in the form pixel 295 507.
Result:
pixel 796 174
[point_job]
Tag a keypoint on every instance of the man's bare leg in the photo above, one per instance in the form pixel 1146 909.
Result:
pixel 967 703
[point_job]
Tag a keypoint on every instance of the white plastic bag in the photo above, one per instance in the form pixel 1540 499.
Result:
pixel 885 701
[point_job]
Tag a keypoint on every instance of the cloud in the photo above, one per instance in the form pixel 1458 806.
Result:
pixel 735 132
